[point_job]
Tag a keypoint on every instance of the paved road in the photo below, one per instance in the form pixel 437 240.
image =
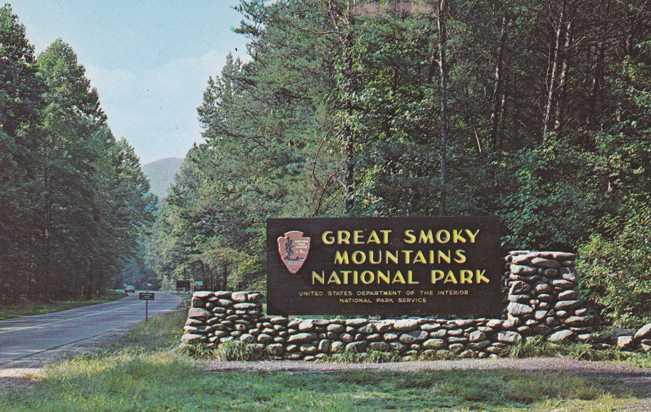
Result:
pixel 31 341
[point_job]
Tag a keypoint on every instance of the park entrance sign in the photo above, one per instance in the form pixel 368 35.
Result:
pixel 384 266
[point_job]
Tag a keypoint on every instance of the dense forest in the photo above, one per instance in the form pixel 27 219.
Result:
pixel 535 111
pixel 73 198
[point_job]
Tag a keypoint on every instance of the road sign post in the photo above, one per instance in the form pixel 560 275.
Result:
pixel 146 296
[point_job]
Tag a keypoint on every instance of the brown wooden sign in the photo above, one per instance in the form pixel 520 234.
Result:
pixel 384 266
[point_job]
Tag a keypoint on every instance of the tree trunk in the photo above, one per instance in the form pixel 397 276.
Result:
pixel 562 82
pixel 443 94
pixel 348 132
pixel 498 96
pixel 552 77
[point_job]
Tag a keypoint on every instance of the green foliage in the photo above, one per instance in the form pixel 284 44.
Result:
pixel 614 266
pixel 74 199
pixel 326 94
pixel 541 187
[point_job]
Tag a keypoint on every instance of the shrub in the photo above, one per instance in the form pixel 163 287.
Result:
pixel 615 267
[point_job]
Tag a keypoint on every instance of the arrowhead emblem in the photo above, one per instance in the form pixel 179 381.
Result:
pixel 293 248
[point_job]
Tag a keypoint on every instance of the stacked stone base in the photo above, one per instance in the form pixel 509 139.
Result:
pixel 542 300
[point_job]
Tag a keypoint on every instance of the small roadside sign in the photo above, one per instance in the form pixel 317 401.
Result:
pixel 146 296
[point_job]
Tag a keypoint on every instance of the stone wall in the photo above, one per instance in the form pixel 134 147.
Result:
pixel 542 299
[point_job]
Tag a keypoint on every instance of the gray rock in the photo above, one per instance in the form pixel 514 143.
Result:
pixel 264 338
pixel 379 346
pixel 568 295
pixel 324 345
pixel 335 328
pixel 347 338
pixel 356 346
pixel 413 337
pixel 337 346
pixel 577 320
pixel 495 324
pixel 199 313
pixel 522 270
pixel 519 298
pixel 441 333
pixel 308 349
pixel 306 326
pixel 405 325
pixel 278 320
pixel 197 330
pixel 477 336
pixel 624 342
pixel 540 314
pixel 356 323
pixel 225 302
pixel 581 312
pixel 301 338
pixel 561 336
pixel 202 295
pixel 480 345
pixel 244 305
pixel 383 326
pixel 545 263
pixel 276 349
pixel 240 296
pixel 643 333
pixel 519 288
pixel 562 283
pixel 191 338
pixel 542 288
pixel 390 336
pixel 566 304
pixel 519 309
pixel 254 297
pixel 509 337
pixel 521 259
pixel 463 323
pixel 368 328
pixel 434 344
pixel 569 276
pixel 456 347
pixel 246 338
pixel 429 327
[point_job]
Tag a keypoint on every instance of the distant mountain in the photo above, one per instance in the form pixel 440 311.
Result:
pixel 161 174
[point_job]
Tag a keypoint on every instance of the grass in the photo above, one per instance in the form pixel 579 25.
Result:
pixel 538 346
pixel 143 372
pixel 26 309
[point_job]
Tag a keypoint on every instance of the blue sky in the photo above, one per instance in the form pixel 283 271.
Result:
pixel 149 59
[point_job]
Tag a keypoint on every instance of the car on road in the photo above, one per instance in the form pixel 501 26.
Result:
pixel 130 289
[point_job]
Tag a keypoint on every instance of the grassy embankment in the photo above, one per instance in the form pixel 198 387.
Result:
pixel 144 373
pixel 26 309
